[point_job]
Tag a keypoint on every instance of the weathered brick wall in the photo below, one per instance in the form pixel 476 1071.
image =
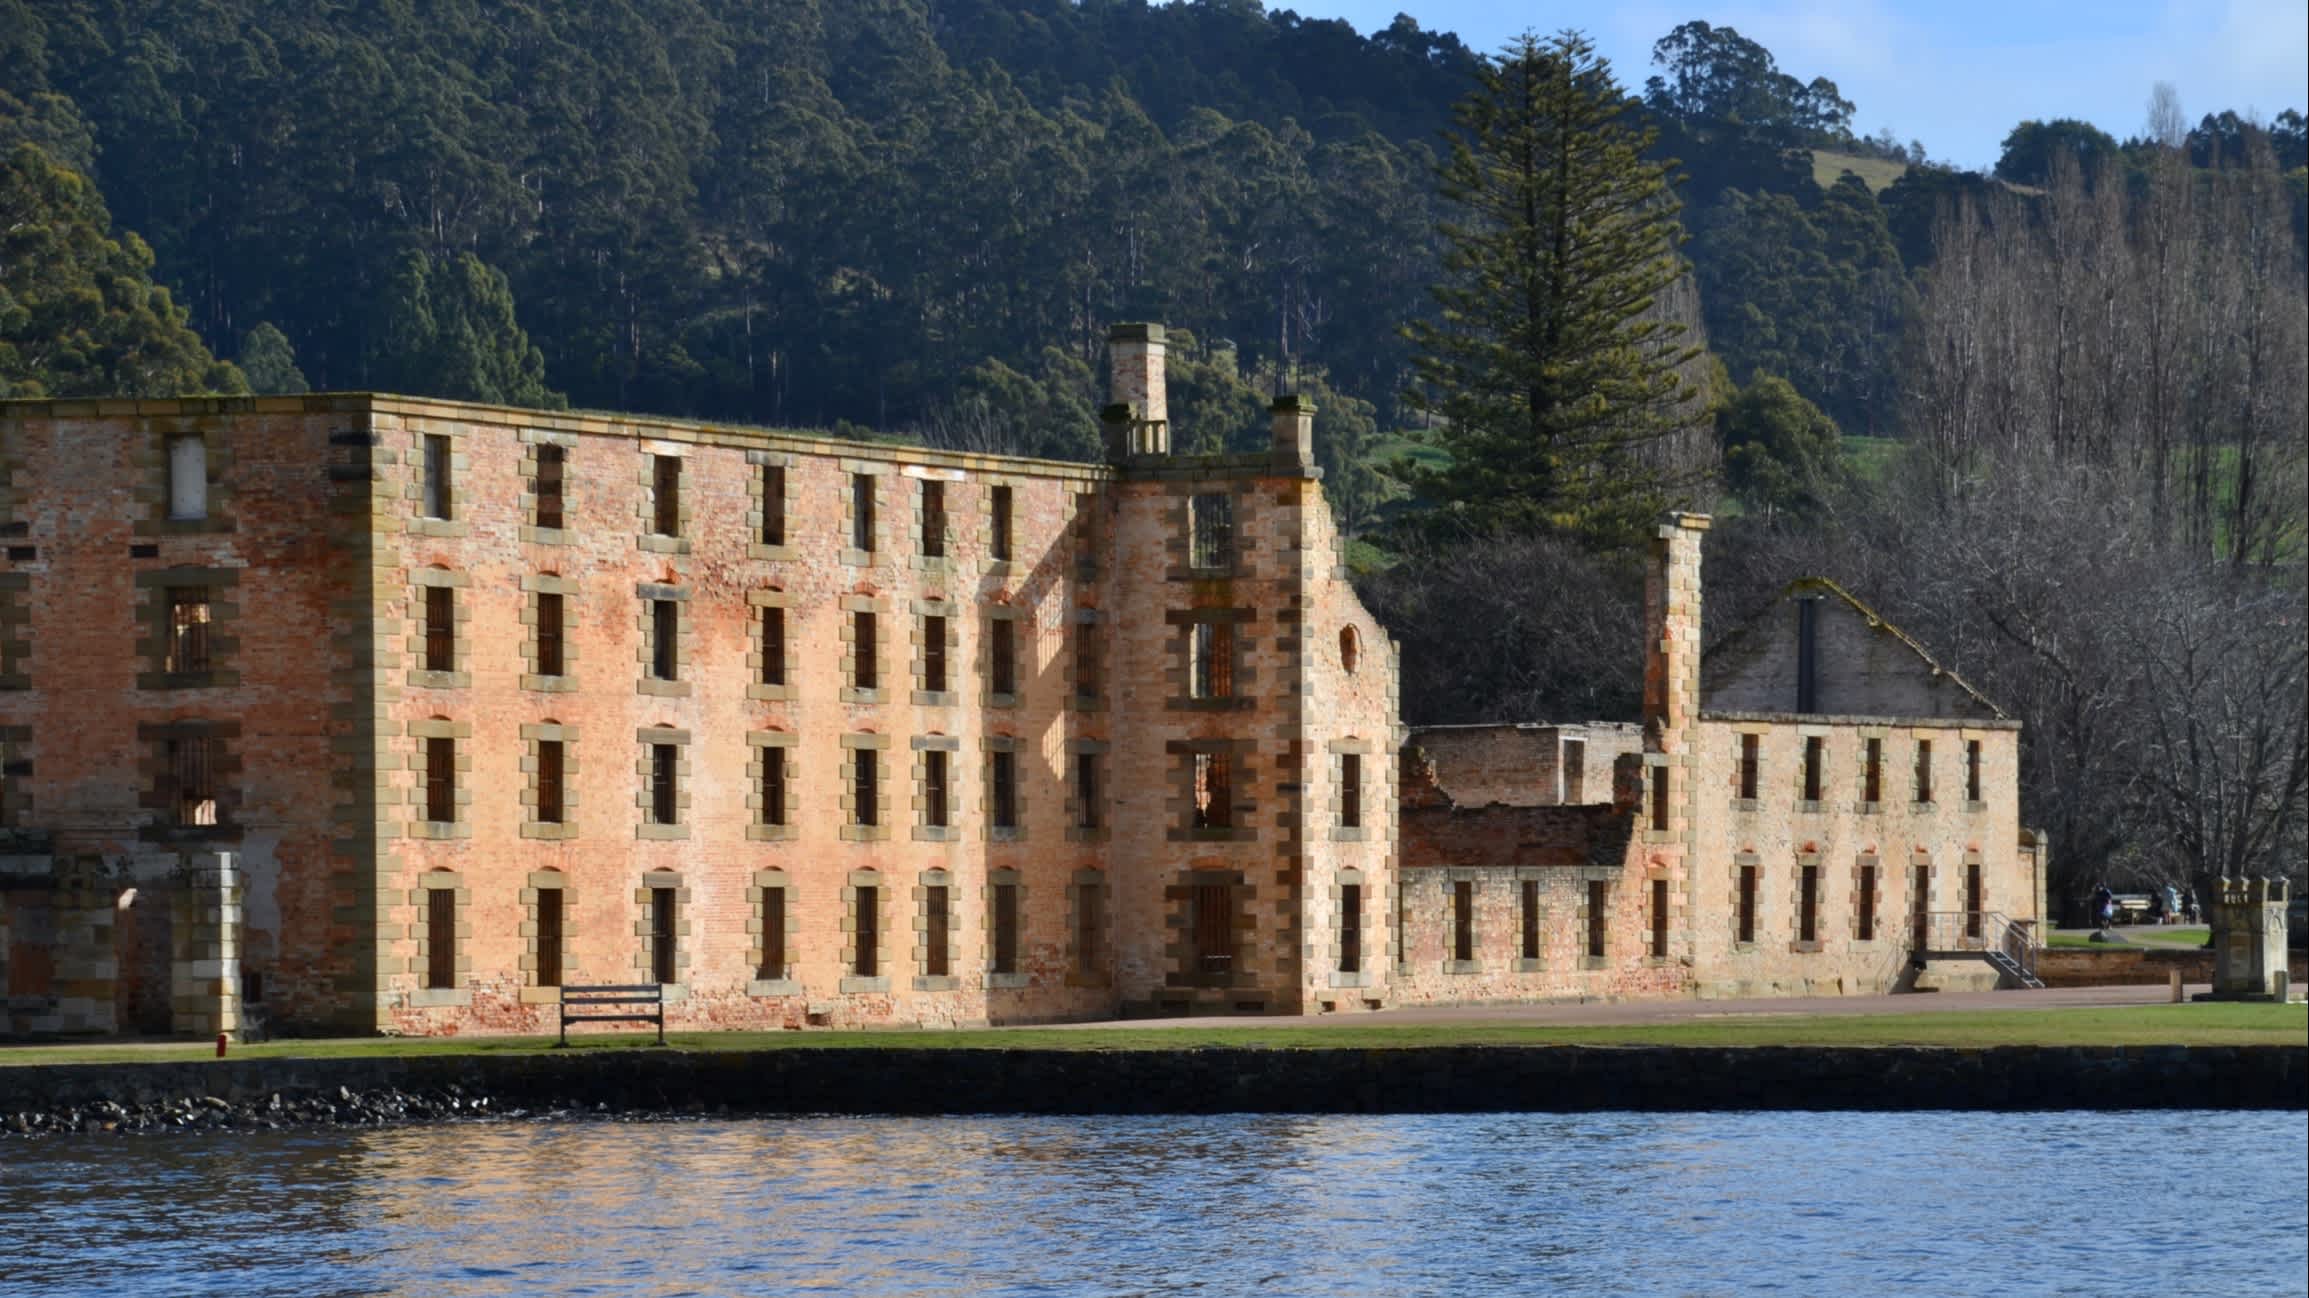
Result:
pixel 85 706
pixel 1526 764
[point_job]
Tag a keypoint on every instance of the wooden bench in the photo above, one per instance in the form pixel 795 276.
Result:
pixel 627 997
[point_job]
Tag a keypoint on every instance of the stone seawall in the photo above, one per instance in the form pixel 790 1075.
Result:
pixel 2131 966
pixel 870 1080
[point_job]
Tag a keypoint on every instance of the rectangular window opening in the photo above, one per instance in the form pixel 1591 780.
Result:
pixel 1085 660
pixel 862 512
pixel 189 616
pixel 1659 919
pixel 1211 672
pixel 665 476
pixel 1972 770
pixel 1527 913
pixel 441 780
pixel 1005 790
pixel 934 654
pixel 1872 771
pixel 773 504
pixel 866 955
pixel 440 938
pixel 1214 793
pixel 1808 903
pixel 1660 799
pixel 1924 770
pixel 192 775
pixel 549 939
pixel 1462 920
pixel 865 652
pixel 1865 926
pixel 1002 656
pixel 1744 928
pixel 440 629
pixel 934 810
pixel 1005 955
pixel 665 639
pixel 1086 786
pixel 1815 758
pixel 773 645
pixel 664 784
pixel 551 650
pixel 933 519
pixel 1350 790
pixel 551 463
pixel 1213 527
pixel 1350 928
pixel 998 527
pixel 663 930
pixel 866 787
pixel 550 796
pixel 773 786
pixel 773 966
pixel 187 478
pixel 438 497
pixel 1213 932
pixel 938 930
pixel 1598 916
pixel 1750 762
pixel 1974 903
pixel 1089 926
pixel 1575 770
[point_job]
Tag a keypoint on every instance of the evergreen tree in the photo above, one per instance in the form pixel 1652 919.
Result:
pixel 79 313
pixel 1556 381
pixel 270 363
pixel 1781 453
pixel 448 330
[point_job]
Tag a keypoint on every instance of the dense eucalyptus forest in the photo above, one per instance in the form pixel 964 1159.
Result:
pixel 2052 418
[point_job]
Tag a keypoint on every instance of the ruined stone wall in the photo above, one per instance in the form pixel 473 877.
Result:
pixel 1527 765
pixel 1911 845
pixel 89 702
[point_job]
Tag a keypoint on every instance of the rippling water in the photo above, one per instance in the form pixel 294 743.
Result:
pixel 1937 1203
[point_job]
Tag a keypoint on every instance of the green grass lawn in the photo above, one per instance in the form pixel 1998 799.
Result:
pixel 2181 936
pixel 1876 173
pixel 1870 457
pixel 2144 1025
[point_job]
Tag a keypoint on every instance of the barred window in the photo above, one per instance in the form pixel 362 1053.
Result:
pixel 1808 903
pixel 866 959
pixel 664 933
pixel 192 766
pixel 1086 660
pixel 1214 792
pixel 773 786
pixel 549 937
pixel 551 654
pixel 1865 901
pixel 865 656
pixel 441 780
pixel 934 654
pixel 934 801
pixel 664 784
pixel 938 930
pixel 1089 925
pixel 1211 671
pixel 866 787
pixel 189 616
pixel 440 629
pixel 1213 526
pixel 1351 790
pixel 552 800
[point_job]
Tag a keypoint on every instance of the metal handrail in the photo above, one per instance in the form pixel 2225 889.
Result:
pixel 1982 930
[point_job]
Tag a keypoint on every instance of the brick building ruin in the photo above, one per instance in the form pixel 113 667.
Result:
pixel 359 713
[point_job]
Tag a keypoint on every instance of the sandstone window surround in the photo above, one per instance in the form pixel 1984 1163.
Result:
pixel 769 664
pixel 444 938
pixel 1088 524
pixel 1005 930
pixel 438 765
pixel 1659 780
pixel 1010 656
pixel 1084 674
pixel 861 632
pixel 770 923
pixel 1975 893
pixel 1919 896
pixel 1804 914
pixel 1003 807
pixel 662 510
pixel 937 642
pixel 935 762
pixel 1209 671
pixel 549 653
pixel 1972 759
pixel 546 957
pixel 1812 776
pixel 1750 773
pixel 549 793
pixel 1662 914
pixel 934 932
pixel 860 511
pixel 769 773
pixel 16 630
pixel 1213 920
pixel 1088 939
pixel 191 780
pixel 661 929
pixel 1530 919
pixel 188 615
pixel 1086 817
pixel 932 531
pixel 1211 791
pixel 546 479
pixel 663 799
pixel 862 930
pixel 865 797
pixel 1871 772
pixel 664 650
pixel 1211 532
pixel 184 484
pixel 437 619
pixel 1923 783
pixel 437 466
pixel 770 505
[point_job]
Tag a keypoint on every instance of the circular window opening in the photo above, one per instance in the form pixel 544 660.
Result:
pixel 1350 649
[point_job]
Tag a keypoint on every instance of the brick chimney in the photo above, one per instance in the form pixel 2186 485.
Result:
pixel 1294 432
pixel 1140 405
pixel 1672 622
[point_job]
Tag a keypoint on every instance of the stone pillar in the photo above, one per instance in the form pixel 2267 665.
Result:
pixel 205 968
pixel 2248 918
pixel 1294 433
pixel 1136 353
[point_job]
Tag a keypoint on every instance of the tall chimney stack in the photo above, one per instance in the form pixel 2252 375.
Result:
pixel 1294 432
pixel 1136 353
pixel 1672 622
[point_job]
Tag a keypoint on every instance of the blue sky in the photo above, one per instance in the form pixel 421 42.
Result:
pixel 1957 74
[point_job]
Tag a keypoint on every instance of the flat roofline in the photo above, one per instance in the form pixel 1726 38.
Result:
pixel 1825 719
pixel 599 423
pixel 1529 725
